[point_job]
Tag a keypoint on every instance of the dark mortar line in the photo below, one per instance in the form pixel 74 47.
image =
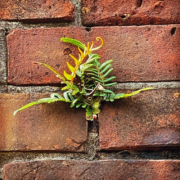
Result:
pixel 40 151
pixel 118 83
pixel 130 154
pixel 124 154
pixel 39 20
pixel 92 26
pixel 49 24
pixel 26 156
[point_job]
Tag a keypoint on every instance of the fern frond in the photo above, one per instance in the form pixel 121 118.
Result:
pixel 54 97
pixel 122 95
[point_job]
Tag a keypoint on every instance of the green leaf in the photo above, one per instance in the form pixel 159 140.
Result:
pixel 102 94
pixel 69 86
pixel 92 86
pixel 108 91
pixel 109 79
pixel 96 111
pixel 65 88
pixel 76 90
pixel 105 64
pixel 44 100
pixel 74 42
pixel 84 105
pixel 108 72
pixel 96 63
pixel 92 57
pixel 56 95
pixel 85 66
pixel 89 111
pixel 105 69
pixel 97 93
pixel 67 76
pixel 71 97
pixel 99 80
pixel 79 73
pixel 110 84
pixel 92 70
pixel 93 74
pixel 136 92
pixel 107 97
pixel 83 91
pixel 73 103
pixel 78 104
pixel 66 96
pixel 119 95
pixel 112 96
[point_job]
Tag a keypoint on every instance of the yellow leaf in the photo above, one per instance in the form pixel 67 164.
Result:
pixel 96 105
pixel 67 76
pixel 75 60
pixel 82 55
pixel 137 92
pixel 71 68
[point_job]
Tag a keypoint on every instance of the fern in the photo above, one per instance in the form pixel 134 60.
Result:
pixel 94 81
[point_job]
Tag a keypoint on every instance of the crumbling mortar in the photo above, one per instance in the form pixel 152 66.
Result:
pixel 3 56
pixel 9 26
pixel 119 86
pixel 77 10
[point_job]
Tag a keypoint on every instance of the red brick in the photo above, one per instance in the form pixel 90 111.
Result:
pixel 41 127
pixel 110 169
pixel 135 12
pixel 39 10
pixel 145 53
pixel 148 120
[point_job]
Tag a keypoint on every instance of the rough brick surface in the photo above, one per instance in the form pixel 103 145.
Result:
pixel 148 120
pixel 135 12
pixel 38 10
pixel 145 53
pixel 41 127
pixel 111 169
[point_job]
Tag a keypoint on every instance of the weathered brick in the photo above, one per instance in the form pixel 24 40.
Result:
pixel 135 12
pixel 149 120
pixel 41 127
pixel 109 169
pixel 145 53
pixel 59 10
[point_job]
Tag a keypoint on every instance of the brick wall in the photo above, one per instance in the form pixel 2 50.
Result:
pixel 134 138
